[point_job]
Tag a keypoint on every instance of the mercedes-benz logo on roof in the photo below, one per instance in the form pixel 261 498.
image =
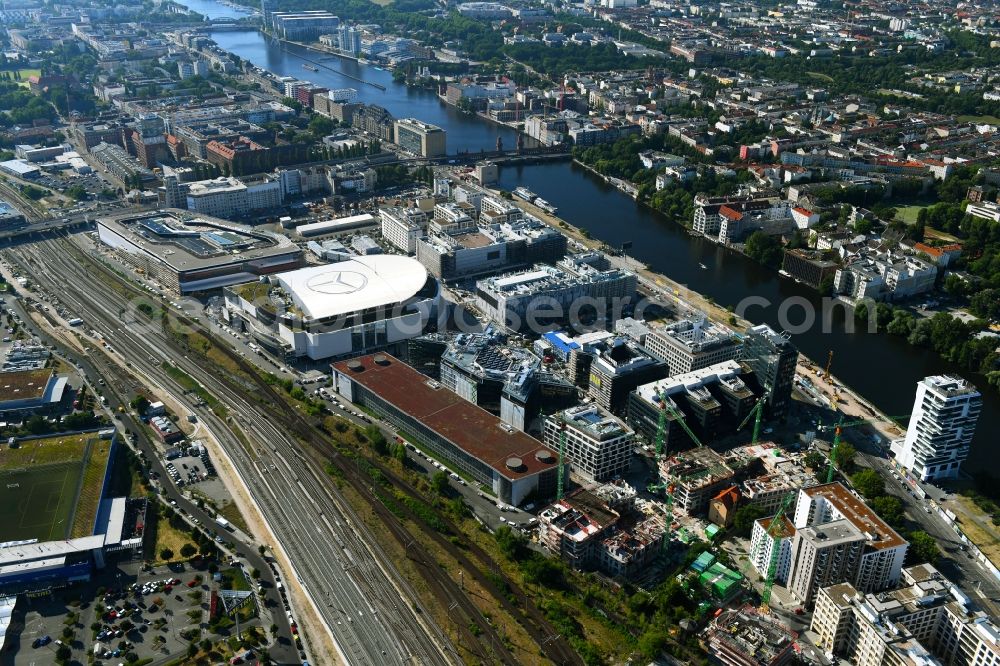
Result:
pixel 337 283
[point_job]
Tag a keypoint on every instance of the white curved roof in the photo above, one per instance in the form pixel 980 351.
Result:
pixel 356 284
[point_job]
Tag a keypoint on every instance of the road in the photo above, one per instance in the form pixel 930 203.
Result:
pixel 351 586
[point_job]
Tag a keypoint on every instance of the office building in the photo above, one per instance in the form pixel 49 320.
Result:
pixel 838 538
pixel 303 26
pixel 579 287
pixel 692 344
pixel 508 381
pixel 598 445
pixel 616 367
pixel 230 198
pixel 927 620
pixel 456 247
pixel 420 138
pixel 713 400
pixel 513 464
pixel 403 226
pixel 369 303
pixel 773 359
pixel 941 427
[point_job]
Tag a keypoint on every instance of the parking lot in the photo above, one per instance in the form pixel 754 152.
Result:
pixel 188 470
pixel 126 613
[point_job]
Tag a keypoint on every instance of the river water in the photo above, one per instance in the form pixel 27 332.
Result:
pixel 883 369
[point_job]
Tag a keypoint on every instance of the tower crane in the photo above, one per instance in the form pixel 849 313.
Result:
pixel 838 429
pixel 668 490
pixel 667 407
pixel 757 412
pixel 774 531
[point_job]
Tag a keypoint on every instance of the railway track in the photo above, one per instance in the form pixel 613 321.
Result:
pixel 267 400
pixel 71 273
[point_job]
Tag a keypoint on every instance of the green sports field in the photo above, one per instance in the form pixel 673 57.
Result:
pixel 38 503
pixel 50 488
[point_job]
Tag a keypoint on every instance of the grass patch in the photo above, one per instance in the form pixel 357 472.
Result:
pixel 90 491
pixel 233 579
pixel 231 512
pixel 189 383
pixel 44 451
pixel 908 214
pixel 168 536
pixel 820 76
pixel 985 539
pixel 50 488
pixel 992 120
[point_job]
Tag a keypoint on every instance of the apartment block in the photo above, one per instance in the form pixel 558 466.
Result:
pixel 839 538
pixel 926 620
pixel 941 427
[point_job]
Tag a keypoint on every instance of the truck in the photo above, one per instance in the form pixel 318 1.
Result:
pixel 224 524
pixel 75 321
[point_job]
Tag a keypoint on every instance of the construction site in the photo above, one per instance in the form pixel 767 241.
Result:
pixel 696 476
pixel 746 637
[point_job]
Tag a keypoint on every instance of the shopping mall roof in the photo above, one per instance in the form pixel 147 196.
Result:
pixel 372 281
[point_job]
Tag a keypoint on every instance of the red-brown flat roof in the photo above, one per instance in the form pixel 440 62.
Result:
pixel 860 514
pixel 468 426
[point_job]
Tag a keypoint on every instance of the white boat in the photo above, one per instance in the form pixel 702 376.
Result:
pixel 525 193
pixel 546 206
pixel 703 267
pixel 311 68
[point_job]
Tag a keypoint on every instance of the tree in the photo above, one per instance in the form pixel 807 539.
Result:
pixel 63 653
pixel 923 548
pixel 511 544
pixel 140 404
pixel 652 644
pixel 166 554
pixel 745 517
pixel 890 508
pixel 764 249
pixel 843 457
pixel 188 550
pixel 869 483
pixel 814 460
pixel 439 482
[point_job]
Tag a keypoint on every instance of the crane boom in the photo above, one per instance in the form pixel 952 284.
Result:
pixel 673 411
pixel 773 531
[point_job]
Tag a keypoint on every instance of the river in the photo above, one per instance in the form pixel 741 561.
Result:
pixel 884 369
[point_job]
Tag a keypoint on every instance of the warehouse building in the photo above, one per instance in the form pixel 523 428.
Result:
pixel 187 253
pixel 27 392
pixel 513 464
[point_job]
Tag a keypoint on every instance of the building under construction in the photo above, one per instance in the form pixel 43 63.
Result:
pixel 744 637
pixel 697 476
pixel 599 528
